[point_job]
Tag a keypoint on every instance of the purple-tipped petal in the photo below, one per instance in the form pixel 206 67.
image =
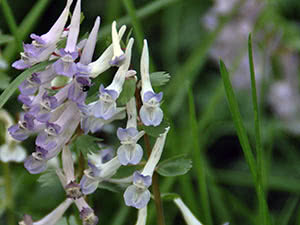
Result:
pixel 17 133
pixel 88 185
pixel 127 133
pixel 20 65
pixel 151 116
pixel 139 178
pixel 26 88
pixel 35 166
pixel 149 94
pixel 130 154
pixel 135 197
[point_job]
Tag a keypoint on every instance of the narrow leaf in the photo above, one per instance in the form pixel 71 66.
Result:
pixel 169 196
pixel 175 166
pixel 259 150
pixel 159 78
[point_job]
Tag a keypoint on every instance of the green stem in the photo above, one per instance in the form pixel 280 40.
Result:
pixel 9 194
pixel 200 166
pixel 9 17
pixel 259 150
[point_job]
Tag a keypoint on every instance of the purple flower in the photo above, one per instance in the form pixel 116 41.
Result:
pixel 105 108
pixel 119 56
pixel 150 112
pixel 88 216
pixel 43 46
pixel 129 152
pixel 138 195
pixel 65 65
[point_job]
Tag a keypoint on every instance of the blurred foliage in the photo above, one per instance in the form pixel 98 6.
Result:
pixel 182 45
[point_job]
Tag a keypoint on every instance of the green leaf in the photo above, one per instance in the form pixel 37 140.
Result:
pixel 156 131
pixel 110 187
pixel 243 137
pixel 62 221
pixel 13 86
pixel 4 39
pixel 159 78
pixel 127 92
pixel 72 220
pixel 174 166
pixel 49 178
pixel 169 196
pixel 86 144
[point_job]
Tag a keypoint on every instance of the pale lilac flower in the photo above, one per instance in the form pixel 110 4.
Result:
pixel 25 127
pixel 50 143
pixel 150 112
pixel 73 191
pixel 88 51
pixel 138 195
pixel 130 152
pixel 119 55
pixel 52 218
pixel 106 106
pixel 188 216
pixel 66 65
pixel 43 46
pixel 103 62
pixel 93 124
pixel 99 170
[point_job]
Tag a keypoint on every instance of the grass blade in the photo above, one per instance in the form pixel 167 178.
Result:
pixel 259 150
pixel 199 164
pixel 243 138
pixel 10 19
pixel 237 119
pixel 287 212
pixel 13 86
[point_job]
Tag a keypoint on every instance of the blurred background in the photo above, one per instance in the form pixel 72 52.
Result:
pixel 187 38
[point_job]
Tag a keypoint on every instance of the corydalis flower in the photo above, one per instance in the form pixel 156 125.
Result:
pixel 138 195
pixel 150 112
pixel 99 170
pixel 43 46
pixel 106 106
pixel 130 152
pixel 119 55
pixel 50 142
pixel 103 62
pixel 73 191
pixel 65 65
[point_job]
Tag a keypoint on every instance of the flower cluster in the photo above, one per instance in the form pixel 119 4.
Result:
pixel 54 104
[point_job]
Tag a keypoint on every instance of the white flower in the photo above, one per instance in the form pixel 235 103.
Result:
pixel 188 216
